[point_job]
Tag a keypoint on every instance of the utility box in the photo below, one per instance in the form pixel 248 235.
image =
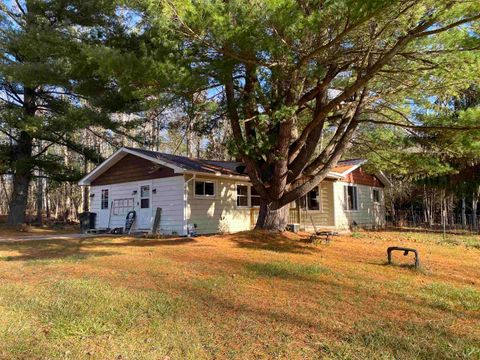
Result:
pixel 87 221
pixel 293 228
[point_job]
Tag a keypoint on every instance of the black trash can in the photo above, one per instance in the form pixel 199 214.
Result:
pixel 87 221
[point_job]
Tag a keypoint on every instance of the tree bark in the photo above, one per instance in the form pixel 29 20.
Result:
pixel 39 202
pixel 474 209
pixel 270 218
pixel 21 179
pixel 22 153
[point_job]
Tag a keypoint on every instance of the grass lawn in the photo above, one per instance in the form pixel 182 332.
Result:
pixel 27 230
pixel 249 295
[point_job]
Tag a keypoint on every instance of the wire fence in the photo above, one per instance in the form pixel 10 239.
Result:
pixel 451 222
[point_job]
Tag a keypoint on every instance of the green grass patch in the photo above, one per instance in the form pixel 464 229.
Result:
pixel 391 340
pixel 211 284
pixel 67 259
pixel 357 235
pixel 88 307
pixel 452 298
pixel 287 270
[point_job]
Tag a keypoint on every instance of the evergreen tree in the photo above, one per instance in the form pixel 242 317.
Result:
pixel 55 78
pixel 289 71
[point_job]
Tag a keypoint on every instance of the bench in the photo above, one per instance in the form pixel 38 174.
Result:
pixel 405 253
pixel 315 237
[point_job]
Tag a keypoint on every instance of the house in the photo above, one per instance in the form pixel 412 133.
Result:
pixel 217 195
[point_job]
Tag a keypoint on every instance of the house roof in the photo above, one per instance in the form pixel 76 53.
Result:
pixel 345 167
pixel 194 164
pixel 183 164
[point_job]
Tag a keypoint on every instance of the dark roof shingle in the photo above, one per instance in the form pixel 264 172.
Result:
pixel 234 168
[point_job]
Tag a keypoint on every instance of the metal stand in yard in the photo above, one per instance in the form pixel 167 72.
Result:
pixel 405 253
pixel 315 237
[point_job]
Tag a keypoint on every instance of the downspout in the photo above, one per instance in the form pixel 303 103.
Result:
pixel 185 197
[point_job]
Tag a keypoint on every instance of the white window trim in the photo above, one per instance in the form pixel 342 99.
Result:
pixel 320 202
pixel 205 196
pixel 108 198
pixel 248 196
pixel 379 196
pixel 356 197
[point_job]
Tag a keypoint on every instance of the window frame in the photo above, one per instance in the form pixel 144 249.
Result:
pixel 204 196
pixel 148 197
pixel 250 198
pixel 104 200
pixel 121 210
pixel 247 196
pixel 375 190
pixel 303 201
pixel 345 198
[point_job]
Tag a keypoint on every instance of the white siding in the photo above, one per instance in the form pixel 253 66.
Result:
pixel 323 218
pixel 168 196
pixel 218 213
pixel 368 215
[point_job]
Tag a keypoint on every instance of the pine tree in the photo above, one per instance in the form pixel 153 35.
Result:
pixel 54 80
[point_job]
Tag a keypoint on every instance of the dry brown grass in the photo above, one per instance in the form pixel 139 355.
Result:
pixel 25 230
pixel 247 295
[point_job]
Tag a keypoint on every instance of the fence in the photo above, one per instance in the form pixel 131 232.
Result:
pixel 419 220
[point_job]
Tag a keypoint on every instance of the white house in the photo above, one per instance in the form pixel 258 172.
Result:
pixel 217 195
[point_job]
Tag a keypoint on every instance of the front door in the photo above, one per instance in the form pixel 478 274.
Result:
pixel 144 215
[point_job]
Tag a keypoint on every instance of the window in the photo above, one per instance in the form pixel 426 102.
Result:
pixel 122 206
pixel 351 201
pixel 242 195
pixel 144 197
pixel 254 197
pixel 376 195
pixel 311 200
pixel 104 200
pixel 204 188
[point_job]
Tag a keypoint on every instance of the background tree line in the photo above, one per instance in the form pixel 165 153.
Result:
pixel 287 87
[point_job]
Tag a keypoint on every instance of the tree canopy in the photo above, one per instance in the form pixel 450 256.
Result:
pixel 300 82
pixel 288 73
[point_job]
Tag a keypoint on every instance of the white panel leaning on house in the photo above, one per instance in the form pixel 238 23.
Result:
pixel 165 193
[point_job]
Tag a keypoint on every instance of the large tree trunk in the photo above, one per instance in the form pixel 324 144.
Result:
pixel 21 179
pixel 270 218
pixel 22 153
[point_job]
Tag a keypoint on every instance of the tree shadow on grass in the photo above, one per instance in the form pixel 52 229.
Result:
pixel 272 241
pixel 68 250
pixel 152 242
pixel 77 249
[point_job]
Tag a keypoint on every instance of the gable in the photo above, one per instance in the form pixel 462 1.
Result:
pixel 360 177
pixel 133 168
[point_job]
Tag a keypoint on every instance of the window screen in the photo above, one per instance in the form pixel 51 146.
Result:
pixel 204 188
pixel 311 200
pixel 145 197
pixel 242 195
pixel 104 200
pixel 122 206
pixel 351 202
pixel 376 195
pixel 254 197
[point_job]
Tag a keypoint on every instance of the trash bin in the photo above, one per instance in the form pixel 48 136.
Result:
pixel 87 221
